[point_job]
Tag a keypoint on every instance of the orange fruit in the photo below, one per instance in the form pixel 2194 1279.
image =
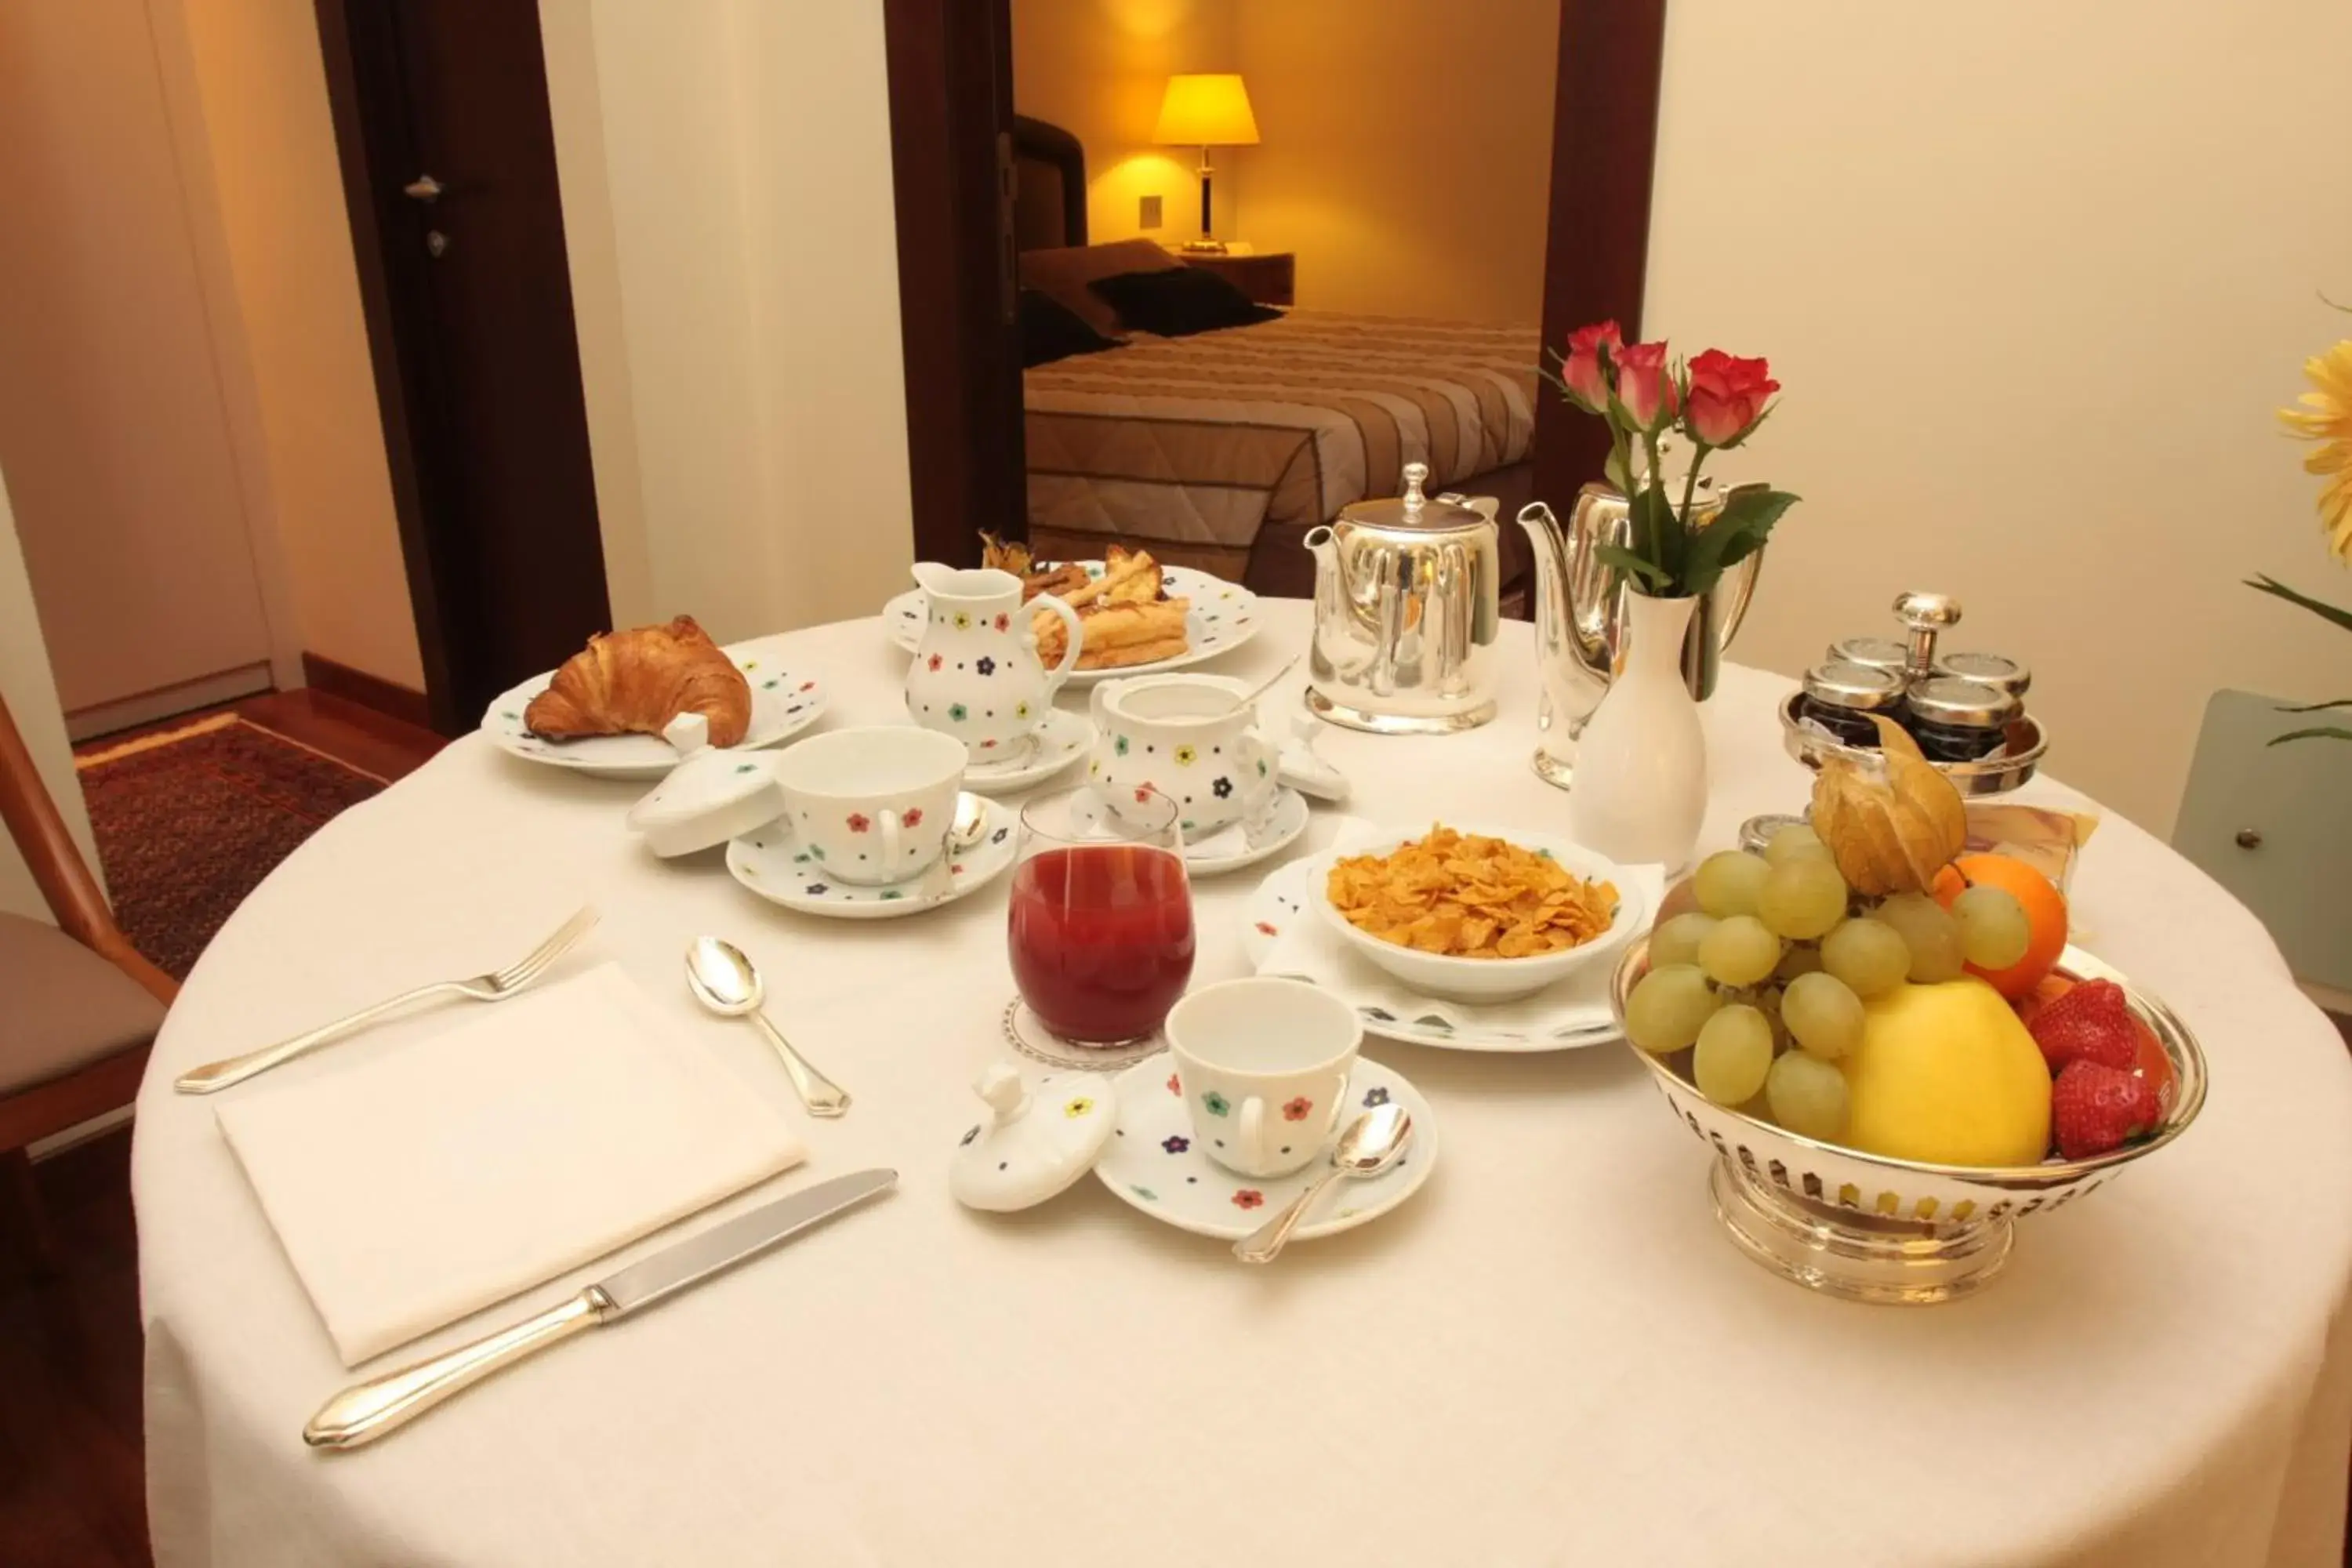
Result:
pixel 2045 915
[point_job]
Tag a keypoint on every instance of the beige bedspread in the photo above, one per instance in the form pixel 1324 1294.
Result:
pixel 1202 442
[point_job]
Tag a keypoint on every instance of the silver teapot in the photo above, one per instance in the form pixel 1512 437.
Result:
pixel 1407 611
pixel 1580 614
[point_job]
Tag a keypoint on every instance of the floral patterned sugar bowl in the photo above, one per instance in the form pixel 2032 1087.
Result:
pixel 1873 1228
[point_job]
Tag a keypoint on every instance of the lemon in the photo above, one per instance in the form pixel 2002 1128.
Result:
pixel 1946 1074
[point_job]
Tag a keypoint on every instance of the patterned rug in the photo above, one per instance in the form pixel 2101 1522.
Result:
pixel 189 821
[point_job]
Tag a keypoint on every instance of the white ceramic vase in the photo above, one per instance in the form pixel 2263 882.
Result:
pixel 1639 789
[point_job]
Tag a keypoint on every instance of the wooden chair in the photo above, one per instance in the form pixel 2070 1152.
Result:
pixel 79 1006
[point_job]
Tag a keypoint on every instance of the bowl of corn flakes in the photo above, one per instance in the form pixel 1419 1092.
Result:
pixel 1472 916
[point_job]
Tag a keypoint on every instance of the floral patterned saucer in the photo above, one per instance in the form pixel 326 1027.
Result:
pixel 1223 617
pixel 1155 1161
pixel 784 701
pixel 770 863
pixel 1061 741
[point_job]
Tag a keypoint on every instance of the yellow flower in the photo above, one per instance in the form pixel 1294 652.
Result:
pixel 2325 415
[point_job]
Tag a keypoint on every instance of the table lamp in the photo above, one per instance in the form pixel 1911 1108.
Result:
pixel 1206 111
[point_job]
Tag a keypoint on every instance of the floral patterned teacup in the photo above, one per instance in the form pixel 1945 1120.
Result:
pixel 976 674
pixel 872 805
pixel 1263 1066
pixel 1192 738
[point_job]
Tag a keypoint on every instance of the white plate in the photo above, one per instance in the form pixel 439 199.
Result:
pixel 785 699
pixel 1223 617
pixel 1155 1162
pixel 1227 849
pixel 1282 897
pixel 1062 739
pixel 770 865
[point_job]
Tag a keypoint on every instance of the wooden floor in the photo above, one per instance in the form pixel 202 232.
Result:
pixel 72 1475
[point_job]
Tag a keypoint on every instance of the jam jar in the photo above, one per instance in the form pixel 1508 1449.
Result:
pixel 1873 653
pixel 1994 669
pixel 1957 721
pixel 1840 696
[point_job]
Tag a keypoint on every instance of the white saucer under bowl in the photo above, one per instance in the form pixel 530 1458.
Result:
pixel 1156 1162
pixel 1229 848
pixel 1061 741
pixel 785 699
pixel 770 863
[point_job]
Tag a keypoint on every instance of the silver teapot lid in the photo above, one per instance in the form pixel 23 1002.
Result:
pixel 1414 510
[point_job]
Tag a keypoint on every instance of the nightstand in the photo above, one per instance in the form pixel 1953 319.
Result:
pixel 1267 277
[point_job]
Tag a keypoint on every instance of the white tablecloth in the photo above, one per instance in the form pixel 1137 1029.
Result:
pixel 1553 1354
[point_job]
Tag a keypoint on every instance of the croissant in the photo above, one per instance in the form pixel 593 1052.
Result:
pixel 636 681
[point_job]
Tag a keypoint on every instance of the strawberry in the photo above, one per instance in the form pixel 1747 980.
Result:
pixel 2095 1107
pixel 2090 1023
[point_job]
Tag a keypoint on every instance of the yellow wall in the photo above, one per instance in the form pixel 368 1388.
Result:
pixel 1098 68
pixel 31 694
pixel 733 267
pixel 2034 283
pixel 279 193
pixel 1407 151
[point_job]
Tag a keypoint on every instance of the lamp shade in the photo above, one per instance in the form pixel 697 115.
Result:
pixel 1208 111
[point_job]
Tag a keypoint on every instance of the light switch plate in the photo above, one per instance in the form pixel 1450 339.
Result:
pixel 1148 212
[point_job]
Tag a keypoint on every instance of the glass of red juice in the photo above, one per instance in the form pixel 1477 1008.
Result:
pixel 1101 924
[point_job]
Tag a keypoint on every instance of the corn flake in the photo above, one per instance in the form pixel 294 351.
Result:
pixel 1468 896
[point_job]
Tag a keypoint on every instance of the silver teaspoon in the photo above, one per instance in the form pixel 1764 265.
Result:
pixel 971 823
pixel 723 980
pixel 1366 1146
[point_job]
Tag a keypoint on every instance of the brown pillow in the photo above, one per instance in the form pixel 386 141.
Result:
pixel 1064 276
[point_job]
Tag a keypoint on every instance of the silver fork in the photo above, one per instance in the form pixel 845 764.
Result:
pixel 496 987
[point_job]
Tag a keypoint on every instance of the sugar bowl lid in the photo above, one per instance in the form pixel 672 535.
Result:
pixel 1038 1138
pixel 712 795
pixel 1414 512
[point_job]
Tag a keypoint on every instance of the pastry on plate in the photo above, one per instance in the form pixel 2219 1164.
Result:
pixel 635 682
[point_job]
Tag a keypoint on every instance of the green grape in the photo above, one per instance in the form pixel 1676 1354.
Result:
pixel 1994 931
pixel 1802 958
pixel 1802 899
pixel 1666 1009
pixel 1735 1052
pixel 1823 1014
pixel 1738 952
pixel 1676 941
pixel 1929 931
pixel 1798 841
pixel 1808 1097
pixel 1869 955
pixel 1729 881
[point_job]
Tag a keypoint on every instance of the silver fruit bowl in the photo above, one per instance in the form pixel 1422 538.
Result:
pixel 1870 1227
pixel 2029 743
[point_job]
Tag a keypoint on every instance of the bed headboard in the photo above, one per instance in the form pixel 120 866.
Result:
pixel 1049 186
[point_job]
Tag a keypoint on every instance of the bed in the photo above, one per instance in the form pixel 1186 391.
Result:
pixel 1222 449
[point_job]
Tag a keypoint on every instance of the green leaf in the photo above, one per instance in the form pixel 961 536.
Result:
pixel 2334 732
pixel 1614 470
pixel 2267 584
pixel 1629 563
pixel 2316 707
pixel 1738 532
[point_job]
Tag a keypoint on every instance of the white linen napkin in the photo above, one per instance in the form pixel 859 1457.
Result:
pixel 422 1185
pixel 1308 948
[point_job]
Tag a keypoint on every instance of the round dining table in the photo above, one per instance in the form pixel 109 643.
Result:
pixel 1553 1353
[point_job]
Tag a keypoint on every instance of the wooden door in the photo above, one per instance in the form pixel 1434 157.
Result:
pixel 441 113
pixel 114 438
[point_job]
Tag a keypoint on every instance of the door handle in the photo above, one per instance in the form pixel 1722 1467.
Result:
pixel 423 188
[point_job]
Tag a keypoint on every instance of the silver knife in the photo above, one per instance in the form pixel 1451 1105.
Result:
pixel 361 1414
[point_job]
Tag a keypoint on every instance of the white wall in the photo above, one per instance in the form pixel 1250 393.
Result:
pixel 2034 278
pixel 726 174
pixel 1098 68
pixel 31 692
pixel 1406 157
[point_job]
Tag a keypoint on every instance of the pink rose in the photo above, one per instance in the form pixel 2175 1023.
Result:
pixel 1645 388
pixel 1728 396
pixel 1586 378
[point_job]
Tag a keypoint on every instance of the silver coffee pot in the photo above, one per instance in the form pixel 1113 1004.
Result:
pixel 1580 614
pixel 1407 611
